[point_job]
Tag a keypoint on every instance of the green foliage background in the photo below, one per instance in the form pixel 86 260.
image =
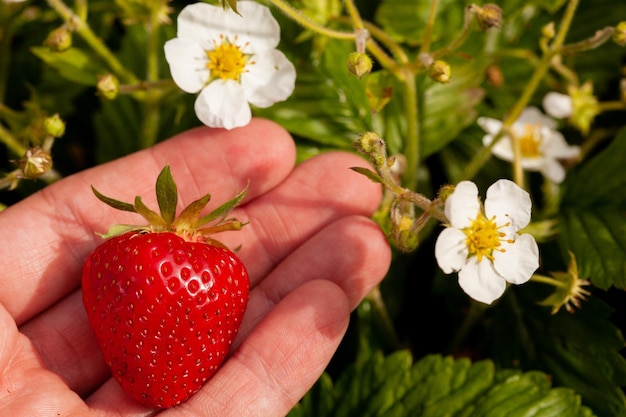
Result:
pixel 417 346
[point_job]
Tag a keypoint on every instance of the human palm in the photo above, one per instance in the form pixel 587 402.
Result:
pixel 310 249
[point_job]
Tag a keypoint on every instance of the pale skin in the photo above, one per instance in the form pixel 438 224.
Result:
pixel 311 251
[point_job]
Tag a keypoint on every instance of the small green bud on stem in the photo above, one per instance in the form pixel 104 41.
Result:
pixel 59 40
pixel 359 64
pixel 439 71
pixel 108 86
pixel 54 126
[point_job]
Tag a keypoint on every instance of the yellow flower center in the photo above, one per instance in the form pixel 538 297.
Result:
pixel 529 141
pixel 483 237
pixel 227 61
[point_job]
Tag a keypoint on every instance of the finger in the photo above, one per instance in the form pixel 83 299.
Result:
pixel 53 231
pixel 351 252
pixel 317 193
pixel 26 388
pixel 66 345
pixel 280 360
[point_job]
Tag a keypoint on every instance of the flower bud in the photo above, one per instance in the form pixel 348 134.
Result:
pixel 619 35
pixel 439 71
pixel 359 64
pixel 59 40
pixel 108 86
pixel 35 163
pixel 488 16
pixel 54 126
pixel 548 31
pixel 403 226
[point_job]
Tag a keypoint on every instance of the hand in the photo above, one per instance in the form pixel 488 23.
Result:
pixel 310 249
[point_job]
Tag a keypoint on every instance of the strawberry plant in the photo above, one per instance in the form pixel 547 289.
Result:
pixel 165 300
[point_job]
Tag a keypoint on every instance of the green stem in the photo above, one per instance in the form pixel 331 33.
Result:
pixel 411 144
pixel 146 85
pixel 152 110
pixel 384 60
pixel 376 299
pixel 388 42
pixel 307 23
pixel 430 24
pixel 456 43
pixel 354 14
pixel 81 27
pixel 612 105
pixel 11 142
pixel 548 281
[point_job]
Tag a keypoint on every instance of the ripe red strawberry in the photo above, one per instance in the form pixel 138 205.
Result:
pixel 165 301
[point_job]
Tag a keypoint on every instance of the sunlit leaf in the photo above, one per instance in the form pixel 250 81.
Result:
pixel 72 64
pixel 437 386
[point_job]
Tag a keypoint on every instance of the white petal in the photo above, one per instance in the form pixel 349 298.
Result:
pixel 451 250
pixel 271 78
pixel 223 104
pixel 553 170
pixel 480 281
pixel 534 116
pixel 519 260
pixel 533 164
pixel 558 105
pixel 187 59
pixel 503 149
pixel 489 125
pixel 256 26
pixel 509 203
pixel 555 146
pixel 462 206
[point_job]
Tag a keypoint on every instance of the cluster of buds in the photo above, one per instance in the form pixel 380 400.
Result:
pixel 404 225
pixel 36 162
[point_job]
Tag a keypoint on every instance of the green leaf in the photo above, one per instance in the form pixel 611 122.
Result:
pixel 230 3
pixel 222 211
pixel 591 217
pixel 601 181
pixel 374 177
pixel 449 108
pixel 405 20
pixel 72 64
pixel 150 215
pixel 116 204
pixel 597 236
pixel 117 128
pixel 167 195
pixel 580 351
pixel 437 386
pixel 190 214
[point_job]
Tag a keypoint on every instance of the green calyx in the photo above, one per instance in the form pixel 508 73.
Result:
pixel 189 224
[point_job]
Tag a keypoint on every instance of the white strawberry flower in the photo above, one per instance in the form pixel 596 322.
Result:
pixel 231 60
pixel 542 146
pixel 482 244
